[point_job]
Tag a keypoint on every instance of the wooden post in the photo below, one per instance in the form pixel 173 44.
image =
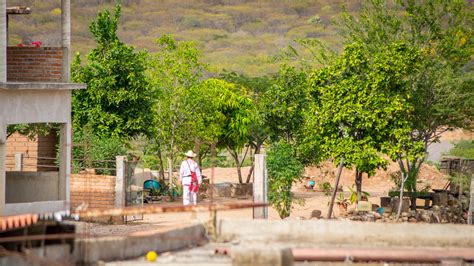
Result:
pixel 339 172
pixel 260 186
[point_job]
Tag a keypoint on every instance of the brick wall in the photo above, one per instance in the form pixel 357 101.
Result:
pixel 43 146
pixel 98 191
pixel 30 64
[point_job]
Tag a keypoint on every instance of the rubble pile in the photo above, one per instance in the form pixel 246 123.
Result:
pixel 454 211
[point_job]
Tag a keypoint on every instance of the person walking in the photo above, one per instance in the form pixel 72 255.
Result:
pixel 190 177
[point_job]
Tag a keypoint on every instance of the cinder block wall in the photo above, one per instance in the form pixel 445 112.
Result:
pixel 43 146
pixel 98 191
pixel 31 64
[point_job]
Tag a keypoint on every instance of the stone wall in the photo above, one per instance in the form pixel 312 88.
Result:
pixel 97 191
pixel 31 64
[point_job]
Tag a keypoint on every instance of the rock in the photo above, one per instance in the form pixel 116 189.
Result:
pixel 370 218
pixel 300 218
pixel 351 211
pixel 412 220
pixel 377 216
pixel 404 214
pixel 316 214
pixel 435 208
pixel 405 219
pixel 426 217
pixel 412 213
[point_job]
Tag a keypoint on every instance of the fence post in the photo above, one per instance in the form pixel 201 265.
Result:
pixel 470 215
pixel 260 186
pixel 19 161
pixel 120 181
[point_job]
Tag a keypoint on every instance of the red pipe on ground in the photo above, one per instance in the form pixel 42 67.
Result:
pixel 386 254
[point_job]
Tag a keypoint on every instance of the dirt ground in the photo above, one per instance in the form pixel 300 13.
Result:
pixel 377 185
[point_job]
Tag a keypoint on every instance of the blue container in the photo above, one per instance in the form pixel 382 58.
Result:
pixel 380 210
pixel 151 184
pixel 311 183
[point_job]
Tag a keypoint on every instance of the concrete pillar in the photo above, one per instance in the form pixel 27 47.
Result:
pixel 65 164
pixel 260 186
pixel 66 37
pixel 3 41
pixel 262 256
pixel 120 181
pixel 470 215
pixel 3 154
pixel 19 161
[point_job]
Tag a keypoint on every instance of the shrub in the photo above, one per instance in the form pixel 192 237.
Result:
pixel 102 154
pixel 283 170
pixel 464 148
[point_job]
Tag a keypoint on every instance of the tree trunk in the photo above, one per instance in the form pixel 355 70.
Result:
pixel 249 175
pixel 252 167
pixel 235 155
pixel 358 181
pixel 162 168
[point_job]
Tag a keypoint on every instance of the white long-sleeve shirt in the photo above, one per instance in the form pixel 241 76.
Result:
pixel 185 171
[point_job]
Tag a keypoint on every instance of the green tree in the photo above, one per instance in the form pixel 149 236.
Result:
pixel 117 102
pixel 173 70
pixel 284 103
pixel 283 170
pixel 222 116
pixel 442 91
pixel 358 106
pixel 259 131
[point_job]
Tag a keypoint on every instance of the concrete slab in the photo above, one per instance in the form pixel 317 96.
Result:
pixel 137 244
pixel 345 233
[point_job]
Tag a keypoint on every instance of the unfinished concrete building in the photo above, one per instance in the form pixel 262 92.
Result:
pixel 35 88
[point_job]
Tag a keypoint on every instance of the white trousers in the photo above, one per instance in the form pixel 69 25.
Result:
pixel 189 197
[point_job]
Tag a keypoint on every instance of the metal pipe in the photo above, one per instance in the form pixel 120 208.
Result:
pixel 377 254
pixel 163 209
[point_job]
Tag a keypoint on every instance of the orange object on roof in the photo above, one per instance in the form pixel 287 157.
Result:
pixel 17 221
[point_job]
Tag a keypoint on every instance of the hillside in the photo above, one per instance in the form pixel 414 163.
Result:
pixel 237 35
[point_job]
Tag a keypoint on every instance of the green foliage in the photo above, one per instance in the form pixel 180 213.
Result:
pixel 464 149
pixel 353 196
pixel 264 26
pixel 103 153
pixel 326 188
pixel 441 92
pixel 173 70
pixel 117 101
pixel 460 180
pixel 33 130
pixel 283 170
pixel 358 104
pixel 341 200
pixel 284 103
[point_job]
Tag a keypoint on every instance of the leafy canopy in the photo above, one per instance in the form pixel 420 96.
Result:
pixel 359 103
pixel 283 170
pixel 117 101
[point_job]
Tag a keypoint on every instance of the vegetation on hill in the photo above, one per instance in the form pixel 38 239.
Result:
pixel 235 35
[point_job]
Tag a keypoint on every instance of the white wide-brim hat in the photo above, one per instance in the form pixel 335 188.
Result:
pixel 190 153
